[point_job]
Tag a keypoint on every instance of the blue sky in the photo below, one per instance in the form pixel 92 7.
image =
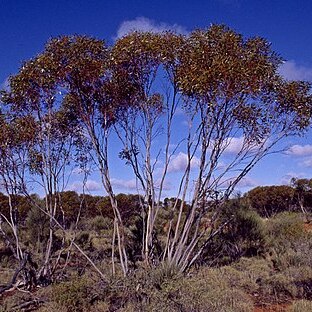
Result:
pixel 25 25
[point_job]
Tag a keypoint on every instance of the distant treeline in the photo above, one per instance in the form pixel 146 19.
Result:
pixel 267 201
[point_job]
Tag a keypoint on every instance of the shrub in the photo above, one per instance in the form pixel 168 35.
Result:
pixel 206 291
pixel 163 289
pixel 83 239
pixel 286 226
pixel 37 225
pixel 289 243
pixel 245 235
pixel 301 306
pixel 296 256
pixel 11 303
pixel 97 224
pixel 279 285
pixel 302 279
pixel 75 295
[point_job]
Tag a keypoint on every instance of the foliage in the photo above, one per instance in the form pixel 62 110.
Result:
pixel 270 200
pixel 164 290
pixel 301 306
pixel 75 295
pixel 97 224
pixel 303 192
pixel 67 105
pixel 245 235
pixel 286 228
pixel 37 224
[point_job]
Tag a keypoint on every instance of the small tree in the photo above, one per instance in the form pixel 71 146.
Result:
pixel 230 91
pixel 150 60
pixel 302 187
pixel 226 87
pixel 48 139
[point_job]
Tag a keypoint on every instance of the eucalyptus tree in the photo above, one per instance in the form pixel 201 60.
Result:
pixel 48 152
pixel 270 200
pixel 75 94
pixel 150 61
pixel 302 188
pixel 230 91
pixel 234 88
pixel 97 94
pixel 78 92
pixel 15 136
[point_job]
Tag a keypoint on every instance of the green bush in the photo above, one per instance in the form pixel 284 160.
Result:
pixel 289 244
pixel 163 289
pixel 244 236
pixel 75 295
pixel 279 286
pixel 302 279
pixel 83 239
pixel 97 224
pixel 208 291
pixel 285 227
pixel 37 229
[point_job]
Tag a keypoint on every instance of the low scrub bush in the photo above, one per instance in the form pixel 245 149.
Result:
pixel 13 302
pixel 244 236
pixel 97 224
pixel 76 295
pixel 163 289
pixel 289 243
pixel 301 306
pixel 285 228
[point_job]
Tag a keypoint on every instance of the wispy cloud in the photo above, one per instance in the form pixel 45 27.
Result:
pixel 234 145
pixel 243 183
pixel 290 70
pixel 146 24
pixel 288 176
pixel 307 163
pixel 124 184
pixel 90 186
pixel 167 186
pixel 78 171
pixel 180 161
pixel 247 182
pixel 300 150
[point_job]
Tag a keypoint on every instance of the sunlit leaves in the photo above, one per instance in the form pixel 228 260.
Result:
pixel 237 79
pixel 231 80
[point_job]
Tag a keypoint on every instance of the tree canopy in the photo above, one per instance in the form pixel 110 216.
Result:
pixel 71 102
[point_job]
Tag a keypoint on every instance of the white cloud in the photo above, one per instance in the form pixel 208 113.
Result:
pixel 93 186
pixel 300 150
pixel 167 186
pixel 146 24
pixel 285 180
pixel 90 186
pixel 234 145
pixel 307 162
pixel 292 71
pixel 78 171
pixel 124 184
pixel 179 163
pixel 247 182
pixel 244 182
